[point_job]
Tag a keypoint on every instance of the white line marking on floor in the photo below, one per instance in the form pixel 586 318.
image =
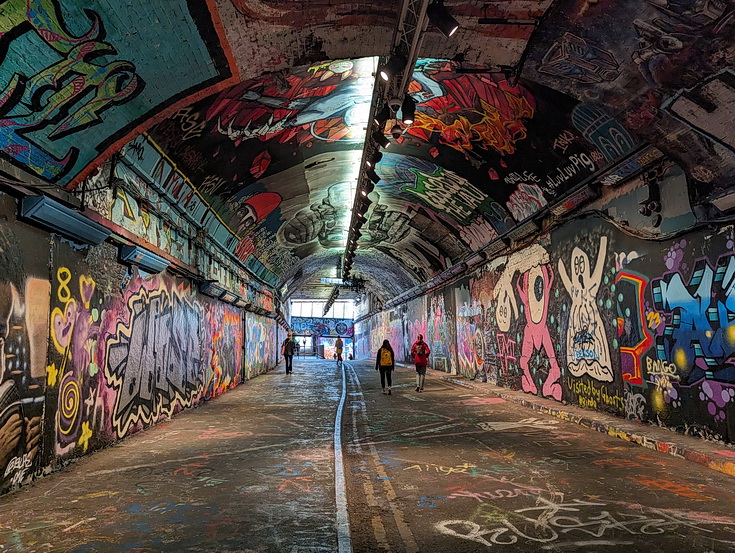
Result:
pixel 344 539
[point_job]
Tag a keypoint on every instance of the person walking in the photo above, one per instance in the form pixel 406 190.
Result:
pixel 339 348
pixel 287 349
pixel 420 352
pixel 385 362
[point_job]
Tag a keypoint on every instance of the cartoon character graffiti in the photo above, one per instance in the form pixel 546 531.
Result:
pixel 587 349
pixel 534 287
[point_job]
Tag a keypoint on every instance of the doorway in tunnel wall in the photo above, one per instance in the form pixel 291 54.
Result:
pixel 591 316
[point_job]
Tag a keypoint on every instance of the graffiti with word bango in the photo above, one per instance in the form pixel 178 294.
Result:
pixel 591 316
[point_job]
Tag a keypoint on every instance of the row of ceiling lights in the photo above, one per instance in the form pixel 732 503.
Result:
pixel 388 104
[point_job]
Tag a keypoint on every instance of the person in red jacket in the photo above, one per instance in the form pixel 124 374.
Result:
pixel 420 352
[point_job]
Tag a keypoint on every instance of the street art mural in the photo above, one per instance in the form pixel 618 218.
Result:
pixel 658 64
pixel 223 342
pixel 414 323
pixel 272 156
pixel 76 82
pixel 598 318
pixel 24 314
pixel 534 287
pixel 258 149
pixel 321 326
pixel 587 348
pixel 260 343
pixel 441 331
pixel 91 351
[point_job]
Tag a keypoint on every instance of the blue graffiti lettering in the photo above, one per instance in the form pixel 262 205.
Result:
pixel 700 316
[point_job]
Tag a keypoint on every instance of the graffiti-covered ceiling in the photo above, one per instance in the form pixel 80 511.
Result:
pixel 252 116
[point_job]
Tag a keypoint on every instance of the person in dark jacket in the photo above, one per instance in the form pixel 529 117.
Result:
pixel 385 362
pixel 420 352
pixel 287 349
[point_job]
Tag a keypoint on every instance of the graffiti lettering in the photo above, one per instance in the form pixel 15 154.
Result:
pixel 699 318
pixel 563 141
pixel 447 192
pixel 525 201
pixel 578 163
pixel 566 519
pixel 190 123
pixel 153 361
pixel 590 395
pixel 659 367
pixel 525 176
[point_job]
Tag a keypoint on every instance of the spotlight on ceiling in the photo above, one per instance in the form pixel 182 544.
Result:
pixel 364 205
pixel 374 159
pixel 441 18
pixel 396 131
pixel 408 110
pixel 373 176
pixel 396 63
pixel 380 139
pixel 382 116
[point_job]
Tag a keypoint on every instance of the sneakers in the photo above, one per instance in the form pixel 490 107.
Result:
pixel 421 389
pixel 418 389
pixel 384 392
pixel 388 391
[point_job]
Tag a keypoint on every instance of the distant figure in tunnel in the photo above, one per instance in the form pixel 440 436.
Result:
pixel 338 349
pixel 385 362
pixel 420 352
pixel 287 349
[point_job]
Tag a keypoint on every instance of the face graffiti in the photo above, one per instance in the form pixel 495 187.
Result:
pixel 587 348
pixel 645 340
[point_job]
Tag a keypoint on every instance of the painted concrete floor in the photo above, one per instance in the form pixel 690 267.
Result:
pixel 450 469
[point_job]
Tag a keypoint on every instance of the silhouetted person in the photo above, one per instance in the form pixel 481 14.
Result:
pixel 385 362
pixel 287 349
pixel 420 351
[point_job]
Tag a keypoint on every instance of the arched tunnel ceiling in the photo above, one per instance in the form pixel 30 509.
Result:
pixel 278 159
pixel 262 106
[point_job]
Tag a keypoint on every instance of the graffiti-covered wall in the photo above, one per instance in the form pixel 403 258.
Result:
pixel 91 352
pixel 592 316
pixel 319 326
pixel 261 352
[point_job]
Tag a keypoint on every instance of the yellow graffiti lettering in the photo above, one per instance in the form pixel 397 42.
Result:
pixel 63 275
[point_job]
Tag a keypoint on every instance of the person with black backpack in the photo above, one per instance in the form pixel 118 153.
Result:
pixel 385 362
pixel 420 352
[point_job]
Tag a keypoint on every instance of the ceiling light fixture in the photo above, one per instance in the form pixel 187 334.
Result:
pixel 373 176
pixel 396 131
pixel 396 63
pixel 441 18
pixel 374 159
pixel 382 116
pixel 380 139
pixel 408 110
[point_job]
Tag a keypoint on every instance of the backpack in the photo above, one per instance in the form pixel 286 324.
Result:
pixel 420 350
pixel 385 358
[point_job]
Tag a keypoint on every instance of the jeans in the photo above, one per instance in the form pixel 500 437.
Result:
pixel 289 362
pixel 420 376
pixel 385 374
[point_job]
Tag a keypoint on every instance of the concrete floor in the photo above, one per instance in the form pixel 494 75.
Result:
pixel 451 469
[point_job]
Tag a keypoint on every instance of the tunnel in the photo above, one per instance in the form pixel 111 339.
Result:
pixel 543 190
